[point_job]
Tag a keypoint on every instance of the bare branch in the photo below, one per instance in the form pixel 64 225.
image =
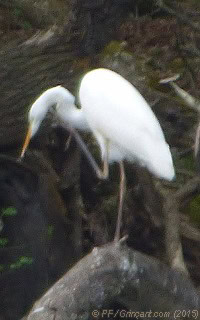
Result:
pixel 172 220
pixel 190 101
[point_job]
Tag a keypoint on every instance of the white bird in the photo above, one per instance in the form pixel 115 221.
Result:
pixel 122 122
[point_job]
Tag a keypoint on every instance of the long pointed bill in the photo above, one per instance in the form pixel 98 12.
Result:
pixel 26 142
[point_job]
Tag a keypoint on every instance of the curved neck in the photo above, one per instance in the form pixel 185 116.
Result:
pixel 66 110
pixel 72 116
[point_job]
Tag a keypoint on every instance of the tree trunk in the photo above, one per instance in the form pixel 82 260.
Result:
pixel 39 13
pixel 54 57
pixel 115 272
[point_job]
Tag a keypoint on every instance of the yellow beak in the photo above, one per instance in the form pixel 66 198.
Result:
pixel 26 142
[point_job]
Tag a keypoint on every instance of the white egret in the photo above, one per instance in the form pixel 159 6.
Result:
pixel 120 119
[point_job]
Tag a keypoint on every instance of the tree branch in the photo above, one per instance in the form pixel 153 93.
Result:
pixel 172 222
pixel 109 273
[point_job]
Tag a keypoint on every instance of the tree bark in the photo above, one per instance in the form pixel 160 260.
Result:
pixel 39 13
pixel 115 272
pixel 52 58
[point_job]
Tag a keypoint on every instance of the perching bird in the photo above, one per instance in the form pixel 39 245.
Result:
pixel 120 119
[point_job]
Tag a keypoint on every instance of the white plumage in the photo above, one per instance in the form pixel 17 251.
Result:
pixel 120 119
pixel 118 113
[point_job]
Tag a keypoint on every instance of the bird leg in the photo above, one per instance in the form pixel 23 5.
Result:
pixel 104 174
pixel 68 142
pixel 122 191
pixel 101 174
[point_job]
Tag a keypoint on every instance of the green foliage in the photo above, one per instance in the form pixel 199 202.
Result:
pixel 187 163
pixel 50 230
pixel 113 48
pixel 1 267
pixel 17 12
pixel 27 25
pixel 22 261
pixel 19 15
pixel 194 209
pixel 177 65
pixel 3 242
pixel 9 212
pixel 109 205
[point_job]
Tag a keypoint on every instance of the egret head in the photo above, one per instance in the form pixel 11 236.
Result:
pixel 52 97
